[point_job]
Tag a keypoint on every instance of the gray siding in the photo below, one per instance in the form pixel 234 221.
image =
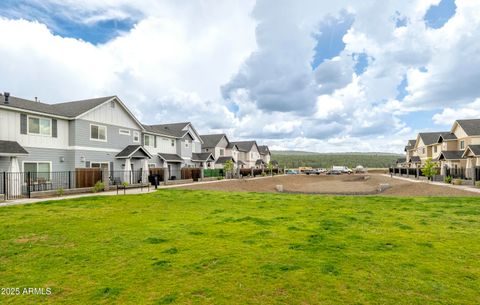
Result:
pixel 186 152
pixel 80 136
pixel 4 163
pixel 52 155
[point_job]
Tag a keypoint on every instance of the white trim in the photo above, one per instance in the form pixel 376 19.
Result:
pixel 39 118
pixel 151 139
pixel 28 161
pixel 98 140
pixel 124 132
pixel 12 155
pixel 91 149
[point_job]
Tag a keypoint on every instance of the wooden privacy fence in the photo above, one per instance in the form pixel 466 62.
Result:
pixel 87 177
pixel 191 173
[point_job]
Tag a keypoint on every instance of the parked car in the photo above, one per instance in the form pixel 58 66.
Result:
pixel 322 170
pixel 334 172
pixel 291 172
pixel 312 172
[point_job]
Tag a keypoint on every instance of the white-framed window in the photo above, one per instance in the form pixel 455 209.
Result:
pixel 39 126
pixel 152 165
pixel 148 140
pixel 98 133
pixel 462 144
pixel 102 165
pixel 434 149
pixel 40 171
pixel 186 143
pixel 172 142
pixel 136 136
pixel 222 152
pixel 124 132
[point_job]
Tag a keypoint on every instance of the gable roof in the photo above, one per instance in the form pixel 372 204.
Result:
pixel 263 149
pixel 224 159
pixel 410 144
pixel 171 157
pixel 175 130
pixel 414 159
pixel 451 155
pixel 446 137
pixel 67 110
pixel 475 149
pixel 130 150
pixel 471 127
pixel 11 148
pixel 202 157
pixel 245 146
pixel 212 140
pixel 430 138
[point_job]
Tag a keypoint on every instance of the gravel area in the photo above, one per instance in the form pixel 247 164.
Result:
pixel 341 185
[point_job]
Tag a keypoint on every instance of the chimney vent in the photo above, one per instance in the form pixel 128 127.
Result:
pixel 7 95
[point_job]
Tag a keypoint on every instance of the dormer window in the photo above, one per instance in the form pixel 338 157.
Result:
pixel 462 144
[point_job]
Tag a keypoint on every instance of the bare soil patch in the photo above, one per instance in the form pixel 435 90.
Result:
pixel 335 185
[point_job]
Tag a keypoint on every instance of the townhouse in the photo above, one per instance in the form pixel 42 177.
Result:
pixel 221 149
pixel 457 149
pixel 44 138
pixel 103 133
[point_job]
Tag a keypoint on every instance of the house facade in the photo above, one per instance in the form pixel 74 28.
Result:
pixel 249 154
pixel 61 137
pixel 221 149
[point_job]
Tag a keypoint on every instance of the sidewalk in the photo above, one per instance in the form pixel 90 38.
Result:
pixel 132 191
pixel 468 188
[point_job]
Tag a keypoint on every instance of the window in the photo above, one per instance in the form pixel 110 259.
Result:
pixel 423 150
pixel 98 133
pixel 39 171
pixel 136 136
pixel 40 126
pixel 124 132
pixel 222 152
pixel 462 144
pixel 152 165
pixel 173 142
pixel 102 165
pixel 434 149
pixel 148 140
pixel 112 104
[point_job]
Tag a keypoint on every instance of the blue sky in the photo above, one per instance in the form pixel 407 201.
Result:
pixel 314 75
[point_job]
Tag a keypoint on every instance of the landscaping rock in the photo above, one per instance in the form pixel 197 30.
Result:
pixel 383 186
pixel 279 188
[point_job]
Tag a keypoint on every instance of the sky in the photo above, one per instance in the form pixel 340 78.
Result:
pixel 326 76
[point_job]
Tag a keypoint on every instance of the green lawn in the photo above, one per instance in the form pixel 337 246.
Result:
pixel 196 247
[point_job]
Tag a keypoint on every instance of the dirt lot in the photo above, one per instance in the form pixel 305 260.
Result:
pixel 342 185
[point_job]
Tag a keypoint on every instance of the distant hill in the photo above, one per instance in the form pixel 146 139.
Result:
pixel 294 159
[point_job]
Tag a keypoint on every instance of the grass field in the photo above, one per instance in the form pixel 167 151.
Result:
pixel 198 247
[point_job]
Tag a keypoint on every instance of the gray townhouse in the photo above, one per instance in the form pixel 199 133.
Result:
pixel 174 146
pixel 45 138
pixel 221 149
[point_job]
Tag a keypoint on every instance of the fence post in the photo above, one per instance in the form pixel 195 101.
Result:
pixel 28 185
pixel 5 185
pixel 69 180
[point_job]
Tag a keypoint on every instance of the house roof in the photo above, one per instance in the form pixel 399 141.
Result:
pixel 11 148
pixel 274 162
pixel 245 145
pixel 401 160
pixel 259 162
pixel 224 159
pixel 430 138
pixel 170 157
pixel 240 162
pixel 475 149
pixel 447 137
pixel 414 159
pixel 212 140
pixel 131 150
pixel 175 130
pixel 471 127
pixel 451 155
pixel 263 149
pixel 68 109
pixel 202 157
pixel 410 144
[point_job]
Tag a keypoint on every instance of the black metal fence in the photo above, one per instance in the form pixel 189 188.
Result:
pixel 456 173
pixel 23 184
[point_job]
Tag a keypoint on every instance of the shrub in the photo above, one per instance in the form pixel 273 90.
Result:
pixel 125 184
pixel 98 187
pixel 264 174
pixel 448 179
pixel 477 184
pixel 457 181
pixel 60 191
pixel 219 178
